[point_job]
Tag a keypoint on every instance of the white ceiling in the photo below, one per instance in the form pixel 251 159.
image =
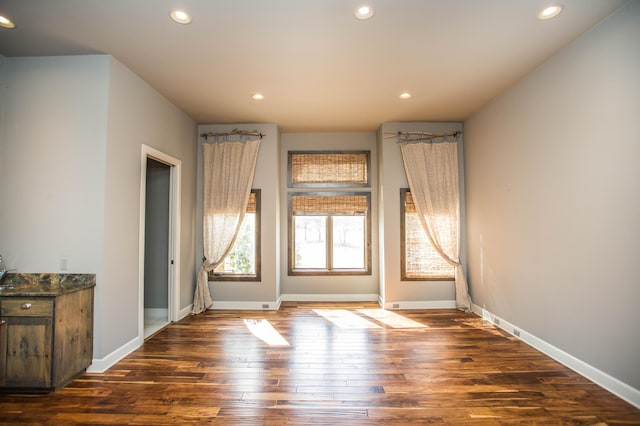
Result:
pixel 319 68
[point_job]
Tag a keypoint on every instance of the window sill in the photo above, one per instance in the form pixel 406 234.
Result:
pixel 245 278
pixel 427 279
pixel 321 272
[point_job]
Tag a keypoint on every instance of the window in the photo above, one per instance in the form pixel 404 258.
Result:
pixel 329 233
pixel 243 262
pixel 328 169
pixel 419 259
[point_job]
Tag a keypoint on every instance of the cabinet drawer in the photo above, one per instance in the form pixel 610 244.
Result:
pixel 25 307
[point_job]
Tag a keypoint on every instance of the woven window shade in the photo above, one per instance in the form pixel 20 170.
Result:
pixel 328 168
pixel 409 206
pixel 348 204
pixel 422 261
pixel 251 206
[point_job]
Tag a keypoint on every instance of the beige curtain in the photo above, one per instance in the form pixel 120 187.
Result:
pixel 228 174
pixel 432 172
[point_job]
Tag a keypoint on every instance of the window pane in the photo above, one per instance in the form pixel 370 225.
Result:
pixel 348 242
pixel 330 233
pixel 310 249
pixel 242 259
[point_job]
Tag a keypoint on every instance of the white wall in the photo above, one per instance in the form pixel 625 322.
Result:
pixel 52 172
pixel 407 294
pixel 70 153
pixel 317 287
pixel 139 115
pixel 52 163
pixel 3 72
pixel 553 200
pixel 251 294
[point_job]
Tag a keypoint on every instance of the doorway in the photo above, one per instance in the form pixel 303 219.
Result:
pixel 159 241
pixel 156 247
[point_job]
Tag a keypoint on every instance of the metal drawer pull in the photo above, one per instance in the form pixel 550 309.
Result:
pixel 26 305
pixel 3 322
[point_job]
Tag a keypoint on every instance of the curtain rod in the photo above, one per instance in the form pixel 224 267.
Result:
pixel 232 133
pixel 419 136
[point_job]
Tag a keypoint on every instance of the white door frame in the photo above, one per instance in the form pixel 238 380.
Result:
pixel 174 234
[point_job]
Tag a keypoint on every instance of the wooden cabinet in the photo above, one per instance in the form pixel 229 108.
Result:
pixel 45 341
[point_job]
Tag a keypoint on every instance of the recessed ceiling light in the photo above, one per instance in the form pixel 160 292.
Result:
pixel 180 16
pixel 405 95
pixel 364 12
pixel 6 22
pixel 258 96
pixel 550 12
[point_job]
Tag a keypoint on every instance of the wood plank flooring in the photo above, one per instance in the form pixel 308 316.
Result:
pixel 328 364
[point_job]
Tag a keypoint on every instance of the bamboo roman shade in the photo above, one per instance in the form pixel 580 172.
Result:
pixel 314 204
pixel 251 205
pixel 409 206
pixel 421 261
pixel 328 168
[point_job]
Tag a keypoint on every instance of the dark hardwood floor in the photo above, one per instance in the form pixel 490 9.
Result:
pixel 328 364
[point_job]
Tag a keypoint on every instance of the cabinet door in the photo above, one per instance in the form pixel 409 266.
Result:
pixel 28 351
pixel 72 331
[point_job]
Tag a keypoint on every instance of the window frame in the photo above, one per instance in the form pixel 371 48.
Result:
pixel 258 254
pixel 291 184
pixel 292 271
pixel 403 248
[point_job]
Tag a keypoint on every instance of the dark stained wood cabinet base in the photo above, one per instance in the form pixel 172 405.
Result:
pixel 45 341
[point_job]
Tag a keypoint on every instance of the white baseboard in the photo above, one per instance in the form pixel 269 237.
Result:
pixel 246 306
pixel 613 385
pixel 184 312
pixel 420 304
pixel 103 364
pixel 329 297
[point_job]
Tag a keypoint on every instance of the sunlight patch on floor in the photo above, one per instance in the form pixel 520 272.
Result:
pixel 345 319
pixel 264 331
pixel 392 319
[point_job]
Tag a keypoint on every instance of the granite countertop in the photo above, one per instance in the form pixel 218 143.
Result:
pixel 24 284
